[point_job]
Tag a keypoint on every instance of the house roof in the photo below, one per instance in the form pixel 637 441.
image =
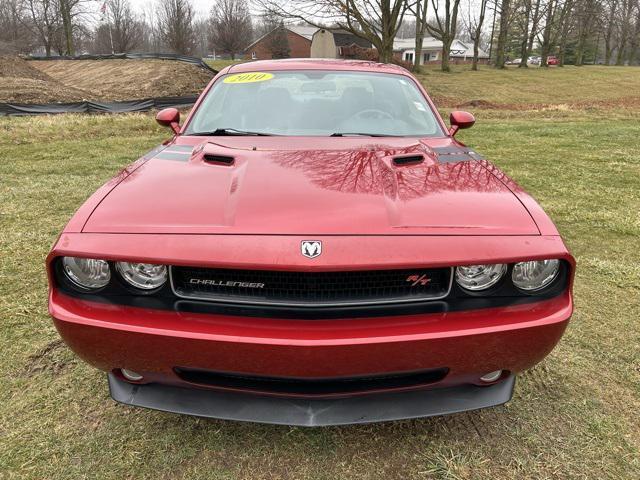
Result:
pixel 303 30
pixel 463 49
pixel 428 43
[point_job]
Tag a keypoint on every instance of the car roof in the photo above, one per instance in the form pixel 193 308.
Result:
pixel 316 64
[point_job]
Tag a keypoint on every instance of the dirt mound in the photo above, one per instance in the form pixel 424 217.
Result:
pixel 115 80
pixel 15 67
pixel 451 102
pixel 479 104
pixel 62 81
pixel 20 82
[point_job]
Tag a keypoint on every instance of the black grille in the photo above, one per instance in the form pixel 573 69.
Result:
pixel 312 386
pixel 311 288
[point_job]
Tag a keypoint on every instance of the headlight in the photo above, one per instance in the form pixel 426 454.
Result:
pixel 480 277
pixel 145 276
pixel 535 275
pixel 86 273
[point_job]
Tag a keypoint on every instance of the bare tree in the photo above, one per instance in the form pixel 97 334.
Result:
pixel 175 24
pixel 231 28
pixel 547 31
pixel 625 29
pixel 73 17
pixel 634 43
pixel 377 21
pixel 126 28
pixel 419 9
pixel 264 24
pixel 524 17
pixel 45 21
pixel 201 28
pixel 474 22
pixel 505 11
pixel 565 26
pixel 151 37
pixel 408 27
pixel 557 24
pixel 538 13
pixel 608 28
pixel 278 41
pixel 529 19
pixel 67 10
pixel 15 36
pixel 585 15
pixel 444 27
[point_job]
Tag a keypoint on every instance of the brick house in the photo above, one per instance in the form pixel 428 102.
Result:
pixel 299 38
pixel 308 42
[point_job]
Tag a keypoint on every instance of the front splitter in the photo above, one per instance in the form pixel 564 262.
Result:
pixel 311 412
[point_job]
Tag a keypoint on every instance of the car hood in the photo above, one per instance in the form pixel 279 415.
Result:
pixel 354 185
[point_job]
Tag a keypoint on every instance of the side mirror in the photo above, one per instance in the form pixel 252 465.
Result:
pixel 460 120
pixel 169 117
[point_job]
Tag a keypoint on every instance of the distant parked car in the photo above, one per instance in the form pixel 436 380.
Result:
pixel 533 60
pixel 552 60
pixel 515 61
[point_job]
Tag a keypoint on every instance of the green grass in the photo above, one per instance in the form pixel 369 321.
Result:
pixel 573 416
pixel 220 64
pixel 533 86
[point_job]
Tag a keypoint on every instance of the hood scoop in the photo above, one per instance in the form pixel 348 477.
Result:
pixel 407 160
pixel 218 159
pixel 212 153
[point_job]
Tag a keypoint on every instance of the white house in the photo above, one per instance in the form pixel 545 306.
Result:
pixel 461 52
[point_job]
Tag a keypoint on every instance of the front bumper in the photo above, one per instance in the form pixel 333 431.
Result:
pixel 311 412
pixel 158 343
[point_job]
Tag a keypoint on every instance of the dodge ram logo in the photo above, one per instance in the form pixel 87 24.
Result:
pixel 311 248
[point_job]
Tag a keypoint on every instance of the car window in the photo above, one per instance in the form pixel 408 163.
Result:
pixel 321 103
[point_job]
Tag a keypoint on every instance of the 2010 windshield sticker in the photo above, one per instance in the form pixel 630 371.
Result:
pixel 250 77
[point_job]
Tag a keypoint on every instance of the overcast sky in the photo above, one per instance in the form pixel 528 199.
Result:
pixel 202 6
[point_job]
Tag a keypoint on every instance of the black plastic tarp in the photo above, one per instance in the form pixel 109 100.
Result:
pixel 130 56
pixel 17 109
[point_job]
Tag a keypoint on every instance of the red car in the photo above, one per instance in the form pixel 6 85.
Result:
pixel 551 60
pixel 312 247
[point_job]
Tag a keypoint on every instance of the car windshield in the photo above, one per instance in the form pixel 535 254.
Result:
pixel 314 103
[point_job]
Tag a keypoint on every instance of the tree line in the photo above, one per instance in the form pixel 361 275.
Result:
pixel 572 31
pixel 71 27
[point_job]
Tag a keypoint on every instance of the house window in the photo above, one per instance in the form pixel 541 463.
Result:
pixel 425 57
pixel 253 55
pixel 408 56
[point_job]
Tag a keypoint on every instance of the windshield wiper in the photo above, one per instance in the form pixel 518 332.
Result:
pixel 230 132
pixel 349 134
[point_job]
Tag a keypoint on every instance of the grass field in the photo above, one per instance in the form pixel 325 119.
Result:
pixel 573 416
